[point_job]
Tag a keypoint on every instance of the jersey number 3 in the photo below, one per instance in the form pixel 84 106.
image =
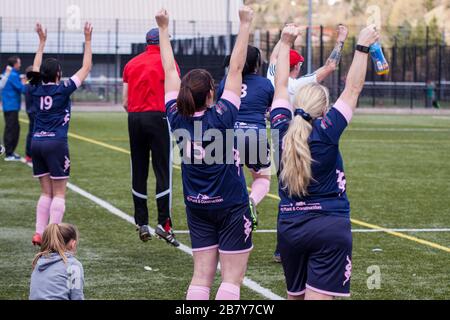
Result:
pixel 46 103
pixel 244 91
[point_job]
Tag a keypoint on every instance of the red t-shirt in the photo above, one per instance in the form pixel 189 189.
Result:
pixel 145 77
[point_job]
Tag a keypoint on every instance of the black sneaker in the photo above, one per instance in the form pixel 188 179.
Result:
pixel 166 234
pixel 144 233
pixel 253 213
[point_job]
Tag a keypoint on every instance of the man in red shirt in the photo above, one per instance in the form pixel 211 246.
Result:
pixel 143 95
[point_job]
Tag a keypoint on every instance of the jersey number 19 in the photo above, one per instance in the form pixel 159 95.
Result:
pixel 46 103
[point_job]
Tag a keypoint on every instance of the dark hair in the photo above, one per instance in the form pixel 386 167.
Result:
pixel 51 70
pixel 252 63
pixel 194 89
pixel 13 60
pixel 28 71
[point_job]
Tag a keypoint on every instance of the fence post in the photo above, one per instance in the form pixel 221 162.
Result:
pixel 427 48
pixel 109 64
pixel 321 45
pixel 1 36
pixel 117 69
pixel 59 38
pixel 394 64
pixel 267 45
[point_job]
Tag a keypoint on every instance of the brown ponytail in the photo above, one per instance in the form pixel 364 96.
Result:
pixel 194 89
pixel 56 237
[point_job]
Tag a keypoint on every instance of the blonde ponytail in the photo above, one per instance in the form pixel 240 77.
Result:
pixel 296 174
pixel 55 239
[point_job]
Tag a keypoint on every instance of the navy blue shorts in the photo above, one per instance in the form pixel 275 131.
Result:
pixel 254 148
pixel 51 157
pixel 316 253
pixel 229 230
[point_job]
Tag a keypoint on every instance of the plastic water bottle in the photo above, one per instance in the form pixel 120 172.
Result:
pixel 380 62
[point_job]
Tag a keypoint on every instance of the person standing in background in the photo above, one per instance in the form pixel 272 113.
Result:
pixel 143 99
pixel 11 97
pixel 31 113
pixel 3 80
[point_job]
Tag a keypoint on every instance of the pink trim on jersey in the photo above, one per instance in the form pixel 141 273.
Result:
pixel 172 95
pixel 77 81
pixel 297 293
pixel 232 97
pixel 344 109
pixel 236 252
pixel 329 293
pixel 58 178
pixel 206 248
pixel 42 175
pixel 281 103
pixel 199 113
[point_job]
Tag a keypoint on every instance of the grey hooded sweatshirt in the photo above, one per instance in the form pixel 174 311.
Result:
pixel 52 279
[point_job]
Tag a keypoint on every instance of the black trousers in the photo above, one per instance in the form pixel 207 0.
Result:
pixel 12 131
pixel 149 135
pixel 31 118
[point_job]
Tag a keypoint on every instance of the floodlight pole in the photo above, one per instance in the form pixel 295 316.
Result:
pixel 229 28
pixel 309 61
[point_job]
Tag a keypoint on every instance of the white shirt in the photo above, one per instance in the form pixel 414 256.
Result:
pixel 294 84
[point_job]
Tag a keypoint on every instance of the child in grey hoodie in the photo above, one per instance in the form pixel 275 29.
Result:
pixel 57 274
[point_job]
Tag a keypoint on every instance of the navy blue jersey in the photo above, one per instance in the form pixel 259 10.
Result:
pixel 256 99
pixel 327 189
pixel 30 106
pixel 53 105
pixel 209 184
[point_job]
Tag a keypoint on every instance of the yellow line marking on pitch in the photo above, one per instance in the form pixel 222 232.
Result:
pixel 275 197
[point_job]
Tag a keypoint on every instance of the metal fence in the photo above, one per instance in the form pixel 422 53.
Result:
pixel 416 69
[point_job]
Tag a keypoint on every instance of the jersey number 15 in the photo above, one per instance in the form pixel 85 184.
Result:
pixel 46 103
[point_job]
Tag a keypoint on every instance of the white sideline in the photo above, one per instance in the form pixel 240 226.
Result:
pixel 252 285
pixel 354 230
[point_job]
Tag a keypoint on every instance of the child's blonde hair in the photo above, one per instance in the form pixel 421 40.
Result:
pixel 296 160
pixel 56 237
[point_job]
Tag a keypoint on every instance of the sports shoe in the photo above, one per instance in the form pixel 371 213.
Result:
pixel 166 233
pixel 28 159
pixel 2 150
pixel 144 233
pixel 253 213
pixel 36 240
pixel 13 157
pixel 277 257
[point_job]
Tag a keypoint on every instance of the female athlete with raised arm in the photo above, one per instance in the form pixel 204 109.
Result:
pixel 314 233
pixel 50 149
pixel 215 193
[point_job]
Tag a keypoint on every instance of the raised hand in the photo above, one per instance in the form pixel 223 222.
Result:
pixel 289 34
pixel 41 32
pixel 342 33
pixel 245 14
pixel 88 31
pixel 368 36
pixel 162 19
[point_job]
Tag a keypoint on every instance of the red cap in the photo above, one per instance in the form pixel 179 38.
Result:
pixel 295 58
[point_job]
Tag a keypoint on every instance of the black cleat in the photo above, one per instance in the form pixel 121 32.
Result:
pixel 144 233
pixel 166 234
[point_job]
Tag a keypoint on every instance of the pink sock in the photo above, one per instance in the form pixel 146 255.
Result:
pixel 42 213
pixel 228 291
pixel 197 293
pixel 57 210
pixel 260 187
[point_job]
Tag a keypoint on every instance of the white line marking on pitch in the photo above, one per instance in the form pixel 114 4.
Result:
pixel 353 230
pixel 119 213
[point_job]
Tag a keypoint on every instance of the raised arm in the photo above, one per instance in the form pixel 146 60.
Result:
pixel 335 56
pixel 288 37
pixel 40 51
pixel 87 58
pixel 357 74
pixel 275 53
pixel 239 54
pixel 172 78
